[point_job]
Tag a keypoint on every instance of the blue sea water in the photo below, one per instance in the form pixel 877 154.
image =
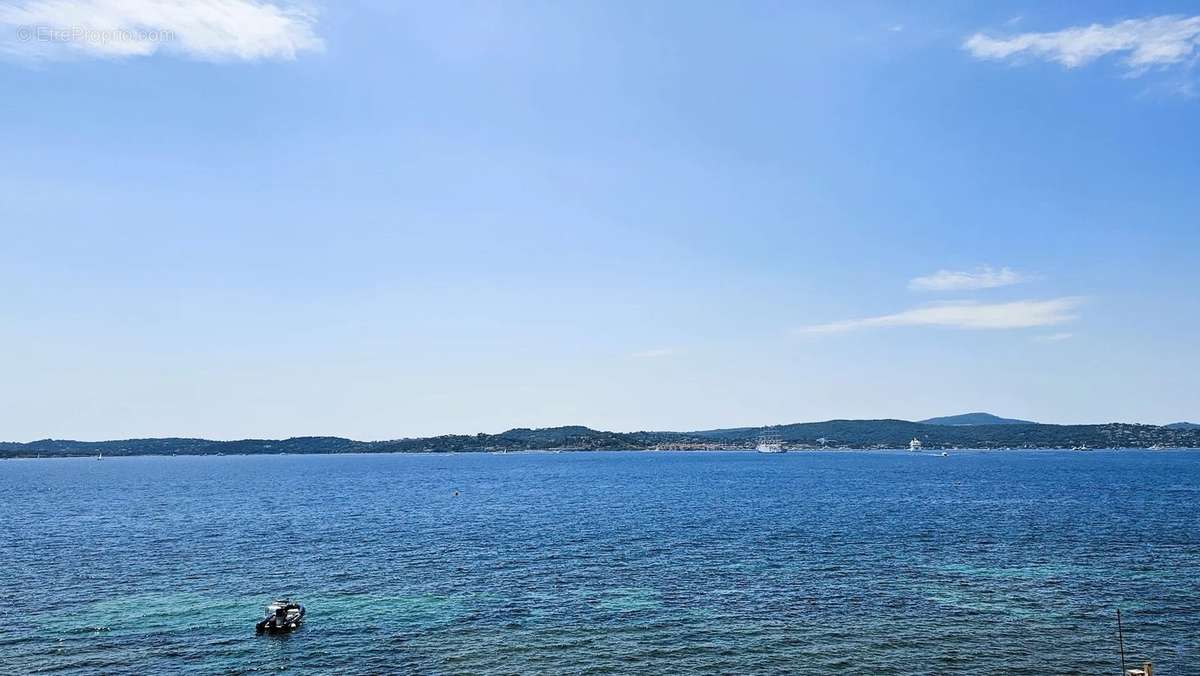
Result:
pixel 630 563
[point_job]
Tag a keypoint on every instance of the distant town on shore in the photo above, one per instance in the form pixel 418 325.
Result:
pixel 971 430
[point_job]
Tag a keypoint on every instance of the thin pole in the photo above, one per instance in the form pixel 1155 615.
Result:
pixel 1121 641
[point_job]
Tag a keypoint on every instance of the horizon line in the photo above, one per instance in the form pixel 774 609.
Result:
pixel 592 429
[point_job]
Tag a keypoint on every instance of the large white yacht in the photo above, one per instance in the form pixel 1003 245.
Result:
pixel 770 442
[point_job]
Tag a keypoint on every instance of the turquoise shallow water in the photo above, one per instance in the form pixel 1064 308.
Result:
pixel 640 563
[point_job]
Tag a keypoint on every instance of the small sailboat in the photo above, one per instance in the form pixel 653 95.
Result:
pixel 101 456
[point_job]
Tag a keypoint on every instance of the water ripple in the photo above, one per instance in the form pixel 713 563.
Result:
pixel 631 563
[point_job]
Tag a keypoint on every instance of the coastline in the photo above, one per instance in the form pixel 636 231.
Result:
pixel 830 434
pixel 554 451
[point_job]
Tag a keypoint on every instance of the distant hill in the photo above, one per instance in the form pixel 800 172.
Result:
pixel 1182 426
pixel 975 419
pixel 831 434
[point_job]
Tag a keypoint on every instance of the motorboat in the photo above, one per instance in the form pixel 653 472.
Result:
pixel 282 616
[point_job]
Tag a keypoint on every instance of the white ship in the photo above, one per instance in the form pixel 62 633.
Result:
pixel 770 442
pixel 914 445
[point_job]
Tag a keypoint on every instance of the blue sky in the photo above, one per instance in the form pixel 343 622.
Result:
pixel 258 219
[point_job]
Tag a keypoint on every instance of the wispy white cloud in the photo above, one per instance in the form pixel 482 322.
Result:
pixel 1150 42
pixel 208 30
pixel 655 353
pixel 966 315
pixel 961 280
pixel 1052 337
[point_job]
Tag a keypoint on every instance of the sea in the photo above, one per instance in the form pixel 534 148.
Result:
pixel 840 562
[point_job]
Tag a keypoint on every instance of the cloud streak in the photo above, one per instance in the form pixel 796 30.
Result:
pixel 655 353
pixel 965 315
pixel 205 30
pixel 961 280
pixel 1152 42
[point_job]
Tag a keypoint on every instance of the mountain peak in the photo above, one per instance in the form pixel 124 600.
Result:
pixel 1182 426
pixel 978 418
